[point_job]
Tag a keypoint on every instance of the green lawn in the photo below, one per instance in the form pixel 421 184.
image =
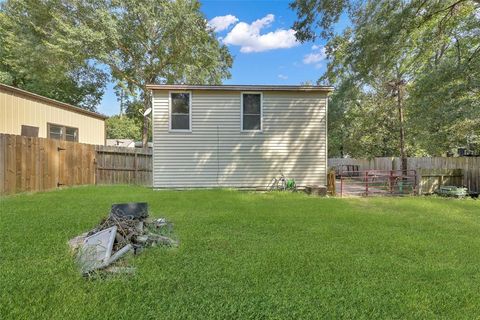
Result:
pixel 249 256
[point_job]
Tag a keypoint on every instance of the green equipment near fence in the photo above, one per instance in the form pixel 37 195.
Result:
pixel 282 183
pixel 291 185
pixel 452 191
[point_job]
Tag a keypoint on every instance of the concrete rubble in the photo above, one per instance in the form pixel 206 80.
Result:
pixel 127 229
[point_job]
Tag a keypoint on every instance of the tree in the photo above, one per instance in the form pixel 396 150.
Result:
pixel 63 46
pixel 384 61
pixel 151 42
pixel 377 56
pixel 121 127
pixel 34 55
pixel 361 124
pixel 317 18
pixel 447 88
pixel 134 109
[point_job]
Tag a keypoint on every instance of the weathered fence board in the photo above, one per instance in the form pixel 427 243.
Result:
pixel 29 164
pixel 432 179
pixel 117 165
pixel 470 166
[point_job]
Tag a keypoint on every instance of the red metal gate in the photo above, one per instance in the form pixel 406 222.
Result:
pixel 378 182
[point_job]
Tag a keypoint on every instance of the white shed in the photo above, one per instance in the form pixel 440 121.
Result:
pixel 238 135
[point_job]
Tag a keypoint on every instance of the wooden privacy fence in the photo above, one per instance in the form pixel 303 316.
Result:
pixel 37 164
pixel 432 171
pixel 118 165
pixel 30 164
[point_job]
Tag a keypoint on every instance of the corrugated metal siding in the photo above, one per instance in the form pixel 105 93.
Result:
pixel 217 154
pixel 17 110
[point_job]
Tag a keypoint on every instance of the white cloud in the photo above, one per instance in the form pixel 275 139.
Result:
pixel 221 23
pixel 312 58
pixel 315 57
pixel 315 47
pixel 282 76
pixel 249 38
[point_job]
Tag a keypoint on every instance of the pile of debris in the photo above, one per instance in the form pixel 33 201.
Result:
pixel 127 229
pixel 456 192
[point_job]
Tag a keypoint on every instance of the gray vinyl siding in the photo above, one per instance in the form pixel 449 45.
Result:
pixel 216 153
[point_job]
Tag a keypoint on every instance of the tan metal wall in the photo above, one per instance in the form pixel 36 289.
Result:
pixel 217 154
pixel 17 109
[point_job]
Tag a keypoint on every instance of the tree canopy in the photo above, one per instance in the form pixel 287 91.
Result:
pixel 145 42
pixel 34 56
pixel 411 66
pixel 67 49
pixel 151 42
pixel 122 127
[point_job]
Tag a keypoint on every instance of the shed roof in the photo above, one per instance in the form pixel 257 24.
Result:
pixel 240 87
pixel 53 102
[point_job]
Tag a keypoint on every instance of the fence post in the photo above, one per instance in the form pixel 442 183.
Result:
pixel 366 183
pixel 415 190
pixel 95 164
pixel 135 166
pixel 341 186
pixel 95 169
pixel 390 182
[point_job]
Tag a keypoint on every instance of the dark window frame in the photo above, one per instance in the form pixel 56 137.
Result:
pixel 242 113
pixel 64 131
pixel 170 113
pixel 29 131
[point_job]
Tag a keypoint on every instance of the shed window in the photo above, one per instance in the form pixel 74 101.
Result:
pixel 71 134
pixel 29 131
pixel 180 111
pixel 251 111
pixel 59 132
pixel 55 132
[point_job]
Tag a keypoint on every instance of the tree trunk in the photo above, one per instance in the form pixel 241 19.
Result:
pixel 146 104
pixel 403 154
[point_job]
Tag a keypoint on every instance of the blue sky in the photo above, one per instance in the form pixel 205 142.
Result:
pixel 259 36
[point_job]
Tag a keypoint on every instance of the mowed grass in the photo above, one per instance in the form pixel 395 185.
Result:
pixel 247 256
